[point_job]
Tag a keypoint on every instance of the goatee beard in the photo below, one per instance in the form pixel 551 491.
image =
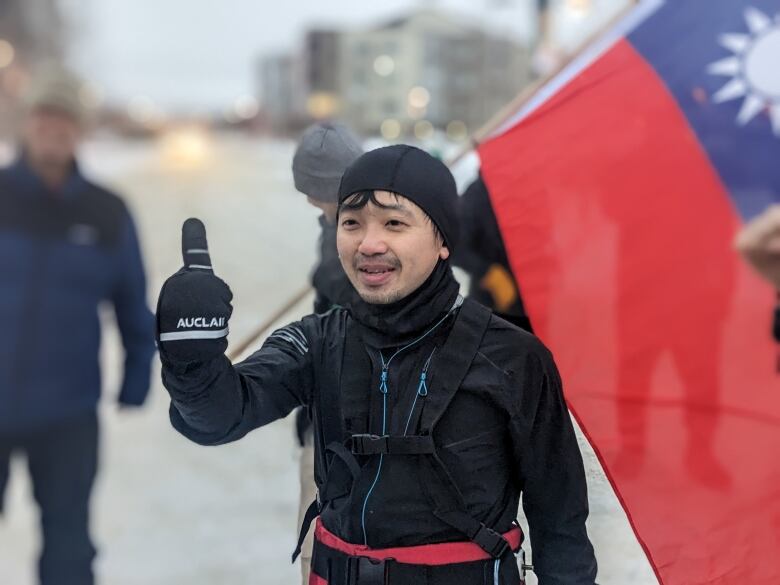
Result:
pixel 382 298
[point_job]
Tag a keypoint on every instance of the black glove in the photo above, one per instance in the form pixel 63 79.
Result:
pixel 194 305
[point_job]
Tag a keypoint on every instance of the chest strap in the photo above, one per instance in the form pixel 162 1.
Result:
pixel 391 445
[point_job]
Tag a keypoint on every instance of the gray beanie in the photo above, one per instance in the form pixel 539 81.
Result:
pixel 325 151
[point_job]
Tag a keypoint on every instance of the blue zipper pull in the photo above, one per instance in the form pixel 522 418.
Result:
pixel 422 389
pixel 383 382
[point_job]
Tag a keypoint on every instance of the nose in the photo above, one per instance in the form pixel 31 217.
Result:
pixel 373 242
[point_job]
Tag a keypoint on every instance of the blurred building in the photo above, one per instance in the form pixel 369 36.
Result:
pixel 31 33
pixel 410 76
pixel 322 60
pixel 282 92
pixel 428 70
pixel 34 28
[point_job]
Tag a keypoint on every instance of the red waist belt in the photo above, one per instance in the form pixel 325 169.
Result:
pixel 445 553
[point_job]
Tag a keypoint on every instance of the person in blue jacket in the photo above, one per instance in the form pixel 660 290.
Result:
pixel 66 246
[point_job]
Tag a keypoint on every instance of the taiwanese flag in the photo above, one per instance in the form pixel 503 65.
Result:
pixel 618 190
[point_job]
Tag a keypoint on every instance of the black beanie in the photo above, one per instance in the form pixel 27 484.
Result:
pixel 412 173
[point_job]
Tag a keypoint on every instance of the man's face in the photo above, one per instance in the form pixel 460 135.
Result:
pixel 50 137
pixel 387 252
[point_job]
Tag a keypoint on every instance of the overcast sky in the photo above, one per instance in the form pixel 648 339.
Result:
pixel 199 54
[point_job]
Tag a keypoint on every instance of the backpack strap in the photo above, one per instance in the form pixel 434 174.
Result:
pixel 331 490
pixel 335 467
pixel 453 363
pixel 311 513
pixel 353 385
pixel 337 408
pixel 338 484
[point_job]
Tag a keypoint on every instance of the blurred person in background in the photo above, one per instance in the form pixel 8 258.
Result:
pixel 759 244
pixel 481 253
pixel 66 245
pixel 323 154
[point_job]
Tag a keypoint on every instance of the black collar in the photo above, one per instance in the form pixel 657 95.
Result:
pixel 403 321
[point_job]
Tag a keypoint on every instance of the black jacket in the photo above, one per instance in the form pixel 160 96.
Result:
pixel 330 283
pixel 507 430
pixel 481 246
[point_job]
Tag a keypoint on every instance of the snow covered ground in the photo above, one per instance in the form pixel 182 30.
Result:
pixel 168 512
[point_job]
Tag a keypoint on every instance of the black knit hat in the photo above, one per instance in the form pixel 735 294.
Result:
pixel 412 173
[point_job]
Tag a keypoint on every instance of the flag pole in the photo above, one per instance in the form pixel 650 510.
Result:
pixel 261 329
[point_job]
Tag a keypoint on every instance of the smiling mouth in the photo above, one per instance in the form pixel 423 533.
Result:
pixel 376 276
pixel 376 270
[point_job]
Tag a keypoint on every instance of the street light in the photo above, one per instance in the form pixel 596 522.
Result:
pixel 390 129
pixel 579 7
pixel 457 130
pixel 246 107
pixel 423 130
pixel 384 65
pixel 419 97
pixel 321 105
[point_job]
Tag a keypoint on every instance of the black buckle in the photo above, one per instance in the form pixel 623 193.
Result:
pixel 491 542
pixel 367 444
pixel 366 571
pixel 524 567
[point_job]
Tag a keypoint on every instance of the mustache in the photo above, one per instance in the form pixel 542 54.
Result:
pixel 360 260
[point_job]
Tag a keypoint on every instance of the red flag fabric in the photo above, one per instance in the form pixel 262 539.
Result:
pixel 618 195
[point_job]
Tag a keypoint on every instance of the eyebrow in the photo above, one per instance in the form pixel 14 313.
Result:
pixel 399 207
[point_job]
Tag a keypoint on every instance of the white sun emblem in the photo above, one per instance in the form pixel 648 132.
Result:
pixel 754 68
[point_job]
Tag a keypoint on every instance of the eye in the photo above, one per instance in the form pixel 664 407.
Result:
pixel 349 223
pixel 395 223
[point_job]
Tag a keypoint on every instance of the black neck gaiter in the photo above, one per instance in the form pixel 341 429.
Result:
pixel 403 321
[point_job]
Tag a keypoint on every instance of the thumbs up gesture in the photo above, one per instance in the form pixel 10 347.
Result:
pixel 194 305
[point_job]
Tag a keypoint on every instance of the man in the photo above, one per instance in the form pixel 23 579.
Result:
pixel 481 253
pixel 759 243
pixel 431 415
pixel 322 156
pixel 66 245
